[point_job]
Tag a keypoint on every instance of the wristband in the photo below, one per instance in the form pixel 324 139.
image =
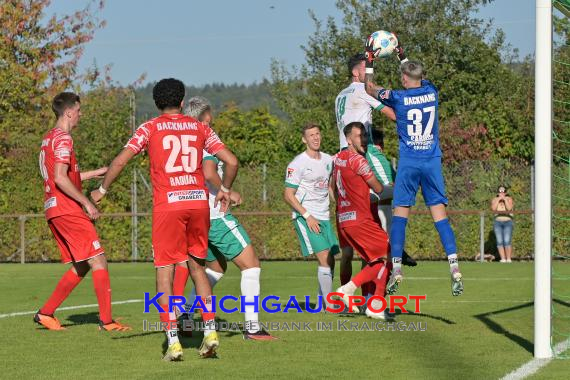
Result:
pixel 102 190
pixel 306 215
pixel 224 189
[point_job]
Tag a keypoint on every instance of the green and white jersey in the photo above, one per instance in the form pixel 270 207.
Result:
pixel 354 104
pixel 214 211
pixel 311 179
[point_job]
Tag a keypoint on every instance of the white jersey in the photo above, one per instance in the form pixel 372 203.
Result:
pixel 354 104
pixel 311 179
pixel 215 212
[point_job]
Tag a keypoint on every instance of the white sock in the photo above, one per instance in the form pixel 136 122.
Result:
pixel 385 214
pixel 396 263
pixel 213 277
pixel 453 263
pixel 209 327
pixel 172 336
pixel 250 288
pixel 324 277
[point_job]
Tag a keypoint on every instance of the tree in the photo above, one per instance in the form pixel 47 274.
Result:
pixel 462 56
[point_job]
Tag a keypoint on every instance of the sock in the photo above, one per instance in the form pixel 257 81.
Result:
pixel 250 288
pixel 170 319
pixel 180 278
pixel 381 280
pixel 209 317
pixel 453 264
pixel 324 276
pixel 102 285
pixel 64 287
pixel 368 289
pixel 368 273
pixel 349 288
pixel 397 240
pixel 446 236
pixel 385 214
pixel 213 277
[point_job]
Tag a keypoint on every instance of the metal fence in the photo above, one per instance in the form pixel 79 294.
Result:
pixel 28 238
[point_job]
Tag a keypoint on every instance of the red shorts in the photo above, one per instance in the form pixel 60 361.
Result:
pixel 342 243
pixel 368 239
pixel 76 237
pixel 179 233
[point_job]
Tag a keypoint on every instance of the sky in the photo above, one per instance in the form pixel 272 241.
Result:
pixel 186 38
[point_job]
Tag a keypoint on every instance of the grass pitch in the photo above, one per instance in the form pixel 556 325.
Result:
pixel 484 334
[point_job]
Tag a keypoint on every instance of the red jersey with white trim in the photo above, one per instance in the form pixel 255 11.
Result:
pixel 351 171
pixel 57 147
pixel 175 143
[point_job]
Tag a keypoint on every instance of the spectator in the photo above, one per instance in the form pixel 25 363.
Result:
pixel 502 206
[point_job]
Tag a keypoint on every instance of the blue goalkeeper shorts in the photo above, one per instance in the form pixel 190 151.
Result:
pixel 415 172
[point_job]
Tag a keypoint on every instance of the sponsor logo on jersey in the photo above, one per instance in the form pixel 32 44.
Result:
pixel 290 172
pixel 345 204
pixel 186 195
pixel 384 94
pixel 51 202
pixel 96 244
pixel 346 216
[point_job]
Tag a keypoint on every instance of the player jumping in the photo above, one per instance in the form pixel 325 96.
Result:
pixel 353 179
pixel 180 215
pixel 307 192
pixel 74 233
pixel 417 124
pixel 227 239
pixel 353 104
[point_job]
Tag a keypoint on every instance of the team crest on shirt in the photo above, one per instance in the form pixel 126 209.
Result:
pixel 290 172
pixel 96 244
pixel 384 94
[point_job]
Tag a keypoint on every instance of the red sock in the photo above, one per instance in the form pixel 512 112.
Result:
pixel 64 287
pixel 368 273
pixel 180 279
pixel 102 285
pixel 381 281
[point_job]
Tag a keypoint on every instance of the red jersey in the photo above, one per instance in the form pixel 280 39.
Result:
pixel 174 143
pixel 57 147
pixel 351 171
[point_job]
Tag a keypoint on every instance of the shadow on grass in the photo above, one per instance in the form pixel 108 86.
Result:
pixel 82 319
pixel 497 328
pixel 425 315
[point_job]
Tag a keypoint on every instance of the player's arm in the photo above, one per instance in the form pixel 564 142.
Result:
pixel 375 185
pixel 113 172
pixel 211 175
pixel 509 203
pixel 63 183
pixel 291 200
pixel 230 172
pixel 495 204
pixel 97 173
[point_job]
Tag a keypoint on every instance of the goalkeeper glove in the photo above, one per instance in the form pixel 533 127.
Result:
pixel 399 50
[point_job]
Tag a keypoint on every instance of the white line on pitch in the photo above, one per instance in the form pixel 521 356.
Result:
pixel 67 308
pixel 535 364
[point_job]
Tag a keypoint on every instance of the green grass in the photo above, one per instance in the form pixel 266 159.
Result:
pixel 485 333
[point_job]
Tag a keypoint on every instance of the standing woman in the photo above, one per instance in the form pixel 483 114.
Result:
pixel 502 206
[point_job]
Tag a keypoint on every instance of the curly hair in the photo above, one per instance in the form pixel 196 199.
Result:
pixel 168 93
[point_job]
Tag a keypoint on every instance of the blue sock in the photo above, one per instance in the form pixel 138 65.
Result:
pixel 446 236
pixel 397 238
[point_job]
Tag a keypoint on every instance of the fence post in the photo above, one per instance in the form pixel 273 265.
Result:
pixel 482 237
pixel 22 219
pixel 264 195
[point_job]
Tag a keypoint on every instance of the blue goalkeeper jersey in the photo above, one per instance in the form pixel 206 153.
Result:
pixel 416 119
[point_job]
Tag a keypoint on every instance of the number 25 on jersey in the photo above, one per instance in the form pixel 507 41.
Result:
pixel 180 146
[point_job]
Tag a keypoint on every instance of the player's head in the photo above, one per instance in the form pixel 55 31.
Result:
pixel 502 190
pixel 377 137
pixel 312 136
pixel 67 106
pixel 356 137
pixel 168 94
pixel 200 109
pixel 412 74
pixel 356 67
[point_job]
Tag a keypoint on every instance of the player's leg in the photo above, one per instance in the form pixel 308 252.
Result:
pixel 433 190
pixel 405 190
pixel 371 242
pixel 68 282
pixel 380 291
pixel 197 226
pixel 216 266
pixel 164 280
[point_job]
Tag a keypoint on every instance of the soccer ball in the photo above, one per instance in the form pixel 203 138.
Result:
pixel 382 43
